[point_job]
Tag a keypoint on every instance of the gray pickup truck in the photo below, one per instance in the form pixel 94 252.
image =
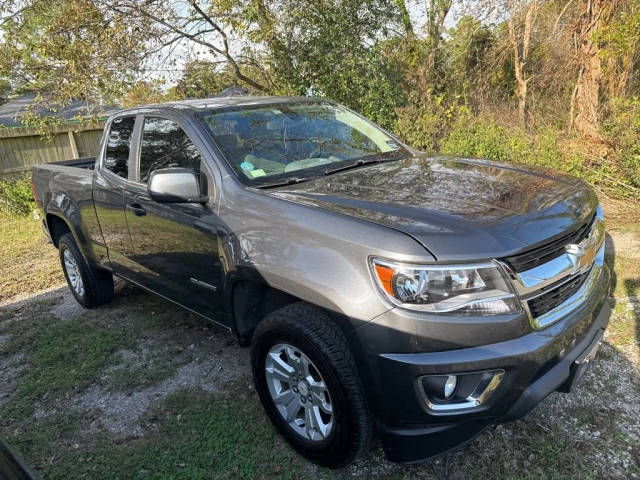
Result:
pixel 384 293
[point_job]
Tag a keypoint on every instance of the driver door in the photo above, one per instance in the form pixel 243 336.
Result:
pixel 175 244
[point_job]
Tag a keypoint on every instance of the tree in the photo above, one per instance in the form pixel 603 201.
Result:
pixel 520 30
pixel 619 43
pixel 585 112
pixel 145 92
pixel 468 46
pixel 437 11
pixel 68 49
pixel 202 78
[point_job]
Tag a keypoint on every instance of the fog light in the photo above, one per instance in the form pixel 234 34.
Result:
pixel 450 386
pixel 462 392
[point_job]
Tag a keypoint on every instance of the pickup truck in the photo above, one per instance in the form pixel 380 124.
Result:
pixel 385 294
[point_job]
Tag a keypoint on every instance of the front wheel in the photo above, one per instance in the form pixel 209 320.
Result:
pixel 307 381
pixel 91 287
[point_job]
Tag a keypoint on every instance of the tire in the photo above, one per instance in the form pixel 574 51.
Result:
pixel 94 286
pixel 312 334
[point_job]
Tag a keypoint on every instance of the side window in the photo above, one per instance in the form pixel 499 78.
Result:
pixel 118 145
pixel 164 144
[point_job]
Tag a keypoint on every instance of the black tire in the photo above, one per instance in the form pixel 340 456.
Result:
pixel 97 283
pixel 316 335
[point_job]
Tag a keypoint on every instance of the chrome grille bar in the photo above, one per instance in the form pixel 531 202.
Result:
pixel 560 277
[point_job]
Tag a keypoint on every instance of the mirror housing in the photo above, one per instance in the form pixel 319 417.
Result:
pixel 175 185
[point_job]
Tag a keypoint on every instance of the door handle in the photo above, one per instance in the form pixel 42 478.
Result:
pixel 136 209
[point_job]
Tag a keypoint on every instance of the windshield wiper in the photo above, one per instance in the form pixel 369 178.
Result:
pixel 379 158
pixel 286 181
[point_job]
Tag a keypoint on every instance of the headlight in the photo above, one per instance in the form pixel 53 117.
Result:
pixel 480 289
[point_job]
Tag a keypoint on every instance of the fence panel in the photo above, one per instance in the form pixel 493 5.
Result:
pixel 21 148
pixel 87 142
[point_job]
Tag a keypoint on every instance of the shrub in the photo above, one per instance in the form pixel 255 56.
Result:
pixel 481 137
pixel 16 197
pixel 623 129
pixel 423 125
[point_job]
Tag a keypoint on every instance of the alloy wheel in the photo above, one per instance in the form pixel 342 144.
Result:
pixel 299 392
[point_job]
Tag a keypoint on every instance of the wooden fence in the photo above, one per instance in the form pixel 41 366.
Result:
pixel 23 147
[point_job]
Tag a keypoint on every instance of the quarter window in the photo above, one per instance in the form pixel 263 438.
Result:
pixel 118 146
pixel 164 144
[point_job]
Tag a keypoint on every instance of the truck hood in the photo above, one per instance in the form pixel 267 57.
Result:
pixel 459 209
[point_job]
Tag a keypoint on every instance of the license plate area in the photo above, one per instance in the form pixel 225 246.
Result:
pixel 581 364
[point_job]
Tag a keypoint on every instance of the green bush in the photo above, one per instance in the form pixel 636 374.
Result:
pixel 423 125
pixel 16 197
pixel 483 138
pixel 623 129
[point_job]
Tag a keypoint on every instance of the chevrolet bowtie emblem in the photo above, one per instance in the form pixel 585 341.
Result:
pixel 581 256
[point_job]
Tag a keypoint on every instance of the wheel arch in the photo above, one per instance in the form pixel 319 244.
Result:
pixel 57 226
pixel 251 300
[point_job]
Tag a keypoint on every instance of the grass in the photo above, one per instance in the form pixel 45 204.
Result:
pixel 209 424
pixel 28 264
pixel 190 435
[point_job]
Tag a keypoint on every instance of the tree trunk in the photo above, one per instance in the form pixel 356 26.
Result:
pixel 520 56
pixel 406 19
pixel 437 13
pixel 585 109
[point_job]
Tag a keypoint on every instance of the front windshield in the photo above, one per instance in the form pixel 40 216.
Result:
pixel 268 143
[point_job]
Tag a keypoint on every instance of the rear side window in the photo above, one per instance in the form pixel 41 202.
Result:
pixel 118 146
pixel 164 144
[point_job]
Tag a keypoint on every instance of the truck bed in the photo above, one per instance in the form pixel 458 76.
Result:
pixel 69 178
pixel 84 162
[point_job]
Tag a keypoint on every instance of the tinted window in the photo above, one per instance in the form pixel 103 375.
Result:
pixel 165 144
pixel 118 145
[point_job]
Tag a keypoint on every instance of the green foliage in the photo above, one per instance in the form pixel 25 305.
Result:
pixel 468 50
pixel 68 49
pixel 202 79
pixel 16 197
pixel 322 48
pixel 483 137
pixel 143 93
pixel 623 127
pixel 424 125
pixel 476 137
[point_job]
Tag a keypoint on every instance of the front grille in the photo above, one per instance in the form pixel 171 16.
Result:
pixel 555 295
pixel 532 258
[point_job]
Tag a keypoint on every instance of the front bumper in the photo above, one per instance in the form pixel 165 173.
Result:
pixel 535 364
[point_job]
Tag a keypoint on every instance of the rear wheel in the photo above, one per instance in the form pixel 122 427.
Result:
pixel 90 286
pixel 307 381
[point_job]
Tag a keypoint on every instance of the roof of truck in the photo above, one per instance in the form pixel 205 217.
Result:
pixel 222 102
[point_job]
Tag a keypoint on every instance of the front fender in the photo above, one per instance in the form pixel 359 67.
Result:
pixel 318 256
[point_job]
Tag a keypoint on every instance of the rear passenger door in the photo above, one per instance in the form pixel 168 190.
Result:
pixel 112 173
pixel 175 245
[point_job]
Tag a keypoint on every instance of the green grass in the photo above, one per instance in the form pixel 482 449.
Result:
pixel 27 262
pixel 190 435
pixel 160 365
pixel 63 358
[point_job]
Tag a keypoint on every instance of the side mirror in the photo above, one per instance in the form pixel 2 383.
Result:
pixel 175 185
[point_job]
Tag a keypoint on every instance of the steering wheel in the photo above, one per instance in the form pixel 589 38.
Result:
pixel 317 149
